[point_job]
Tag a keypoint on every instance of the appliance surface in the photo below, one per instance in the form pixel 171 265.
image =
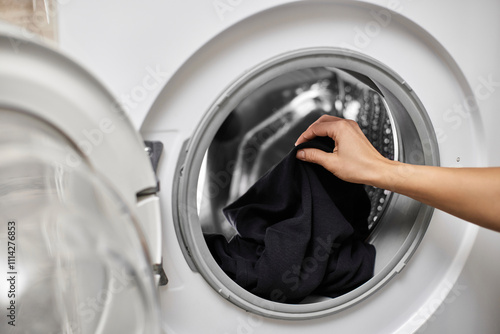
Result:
pixel 180 69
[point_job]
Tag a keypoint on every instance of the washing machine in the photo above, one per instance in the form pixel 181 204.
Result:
pixel 121 145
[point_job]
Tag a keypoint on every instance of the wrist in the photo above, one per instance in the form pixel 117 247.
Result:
pixel 387 174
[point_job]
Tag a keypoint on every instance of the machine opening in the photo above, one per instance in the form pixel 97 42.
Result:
pixel 255 124
pixel 263 128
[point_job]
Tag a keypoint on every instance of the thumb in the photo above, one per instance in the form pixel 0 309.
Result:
pixel 316 156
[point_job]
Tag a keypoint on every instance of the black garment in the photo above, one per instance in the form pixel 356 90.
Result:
pixel 301 231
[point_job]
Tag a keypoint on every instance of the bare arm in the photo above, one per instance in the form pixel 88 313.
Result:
pixel 472 194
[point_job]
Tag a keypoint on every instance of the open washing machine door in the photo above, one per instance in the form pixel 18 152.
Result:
pixel 79 215
pixel 206 87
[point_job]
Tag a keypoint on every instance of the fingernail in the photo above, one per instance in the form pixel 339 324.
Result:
pixel 301 155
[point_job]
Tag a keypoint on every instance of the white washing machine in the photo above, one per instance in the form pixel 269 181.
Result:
pixel 182 73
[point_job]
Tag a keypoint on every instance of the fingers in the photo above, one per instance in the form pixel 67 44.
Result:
pixel 309 134
pixel 327 118
pixel 317 156
pixel 324 126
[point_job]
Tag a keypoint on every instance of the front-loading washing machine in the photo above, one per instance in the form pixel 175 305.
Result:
pixel 238 81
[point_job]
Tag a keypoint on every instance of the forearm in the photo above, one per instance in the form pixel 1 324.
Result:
pixel 472 194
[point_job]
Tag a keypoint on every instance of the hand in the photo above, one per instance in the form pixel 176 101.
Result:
pixel 472 194
pixel 354 159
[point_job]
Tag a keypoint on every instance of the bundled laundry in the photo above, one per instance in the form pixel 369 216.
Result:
pixel 301 231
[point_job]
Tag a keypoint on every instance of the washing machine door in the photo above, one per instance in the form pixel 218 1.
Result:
pixel 79 221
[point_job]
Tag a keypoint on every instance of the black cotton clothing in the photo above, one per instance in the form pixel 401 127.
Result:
pixel 301 232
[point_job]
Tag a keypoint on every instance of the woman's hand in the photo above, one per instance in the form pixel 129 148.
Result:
pixel 472 194
pixel 354 159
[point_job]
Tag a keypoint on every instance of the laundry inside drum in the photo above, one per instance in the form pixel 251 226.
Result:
pixel 251 129
pixel 264 126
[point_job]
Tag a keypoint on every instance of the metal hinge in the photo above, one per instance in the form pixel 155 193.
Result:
pixel 154 150
pixel 158 270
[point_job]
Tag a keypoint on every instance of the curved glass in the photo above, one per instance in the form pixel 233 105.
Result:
pixel 75 258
